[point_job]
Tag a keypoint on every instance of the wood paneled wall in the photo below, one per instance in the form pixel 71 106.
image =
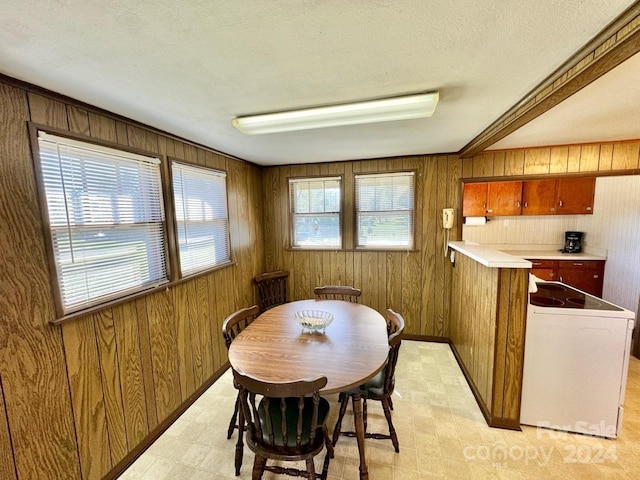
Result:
pixel 587 158
pixel 77 398
pixel 415 283
pixel 487 325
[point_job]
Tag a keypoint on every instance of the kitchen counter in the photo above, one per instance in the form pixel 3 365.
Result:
pixel 553 255
pixel 489 293
pixel 489 256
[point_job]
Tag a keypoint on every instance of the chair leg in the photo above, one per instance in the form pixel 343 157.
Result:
pixel 234 417
pixel 364 414
pixel 344 401
pixel 327 442
pixel 258 468
pixel 392 431
pixel 311 469
pixel 390 403
pixel 329 455
pixel 240 445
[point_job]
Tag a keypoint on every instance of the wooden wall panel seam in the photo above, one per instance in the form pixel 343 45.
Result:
pixel 9 471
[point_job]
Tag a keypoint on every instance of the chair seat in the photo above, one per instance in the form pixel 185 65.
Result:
pixel 291 415
pixel 373 387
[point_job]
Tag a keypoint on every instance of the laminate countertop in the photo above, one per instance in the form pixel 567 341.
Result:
pixel 553 255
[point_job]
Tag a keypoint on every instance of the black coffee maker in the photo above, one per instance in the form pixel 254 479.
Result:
pixel 572 242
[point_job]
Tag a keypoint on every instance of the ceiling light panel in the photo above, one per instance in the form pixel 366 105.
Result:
pixel 383 110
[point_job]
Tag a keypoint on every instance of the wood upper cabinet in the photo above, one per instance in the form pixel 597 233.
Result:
pixel 575 195
pixel 504 198
pixel 474 203
pixel 539 197
pixel 562 196
pixel 493 199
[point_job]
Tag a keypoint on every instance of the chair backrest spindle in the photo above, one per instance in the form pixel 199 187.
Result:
pixel 272 289
pixel 337 292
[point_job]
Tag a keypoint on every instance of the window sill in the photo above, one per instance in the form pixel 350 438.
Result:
pixel 358 249
pixel 135 296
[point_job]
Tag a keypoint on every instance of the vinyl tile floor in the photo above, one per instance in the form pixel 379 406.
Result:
pixel 441 430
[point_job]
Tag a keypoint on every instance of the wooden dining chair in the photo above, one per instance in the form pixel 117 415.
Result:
pixel 272 289
pixel 288 423
pixel 337 292
pixel 379 388
pixel 231 328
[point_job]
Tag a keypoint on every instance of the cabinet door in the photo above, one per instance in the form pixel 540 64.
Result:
pixel 504 198
pixel 474 200
pixel 548 274
pixel 587 276
pixel 575 195
pixel 539 197
pixel 544 269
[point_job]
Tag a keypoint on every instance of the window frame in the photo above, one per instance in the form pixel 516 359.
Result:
pixel 357 212
pixel 173 223
pixel 292 215
pixel 34 128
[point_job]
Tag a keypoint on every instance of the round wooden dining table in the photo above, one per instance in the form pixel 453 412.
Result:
pixel 353 349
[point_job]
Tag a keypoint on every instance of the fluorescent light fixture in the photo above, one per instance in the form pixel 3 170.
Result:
pixel 384 110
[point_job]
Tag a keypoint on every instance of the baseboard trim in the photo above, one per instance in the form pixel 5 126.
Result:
pixel 472 385
pixel 426 338
pixel 495 422
pixel 153 435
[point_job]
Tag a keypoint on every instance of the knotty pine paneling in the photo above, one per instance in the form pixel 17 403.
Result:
pixel 78 397
pixel 411 282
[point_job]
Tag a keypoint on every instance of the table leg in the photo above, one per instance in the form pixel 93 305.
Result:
pixel 240 444
pixel 359 424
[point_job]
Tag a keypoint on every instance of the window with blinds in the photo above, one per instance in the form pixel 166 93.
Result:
pixel 315 212
pixel 106 220
pixel 202 219
pixel 384 210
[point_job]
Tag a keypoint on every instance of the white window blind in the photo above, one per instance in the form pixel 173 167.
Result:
pixel 106 218
pixel 315 212
pixel 202 217
pixel 384 210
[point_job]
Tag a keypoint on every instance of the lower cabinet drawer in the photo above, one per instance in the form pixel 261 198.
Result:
pixel 586 275
pixel 543 263
pixel 581 264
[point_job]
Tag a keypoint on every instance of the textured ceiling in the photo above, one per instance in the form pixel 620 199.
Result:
pixel 189 67
pixel 605 110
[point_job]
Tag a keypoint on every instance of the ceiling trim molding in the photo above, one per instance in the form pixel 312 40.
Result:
pixel 615 44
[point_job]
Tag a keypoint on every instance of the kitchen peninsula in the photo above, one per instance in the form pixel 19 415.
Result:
pixel 488 314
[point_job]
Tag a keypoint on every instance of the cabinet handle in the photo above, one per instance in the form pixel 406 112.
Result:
pixel 552 274
pixel 588 209
pixel 484 205
pixel 537 264
pixel 560 204
pixel 560 277
pixel 526 204
pixel 596 276
pixel 489 211
pixel 517 204
pixel 576 264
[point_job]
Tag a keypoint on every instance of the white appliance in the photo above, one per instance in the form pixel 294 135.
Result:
pixel 576 358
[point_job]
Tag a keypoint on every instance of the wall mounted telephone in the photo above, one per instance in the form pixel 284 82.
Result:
pixel 447 224
pixel 447 218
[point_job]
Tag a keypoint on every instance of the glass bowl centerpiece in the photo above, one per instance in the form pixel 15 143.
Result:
pixel 313 320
